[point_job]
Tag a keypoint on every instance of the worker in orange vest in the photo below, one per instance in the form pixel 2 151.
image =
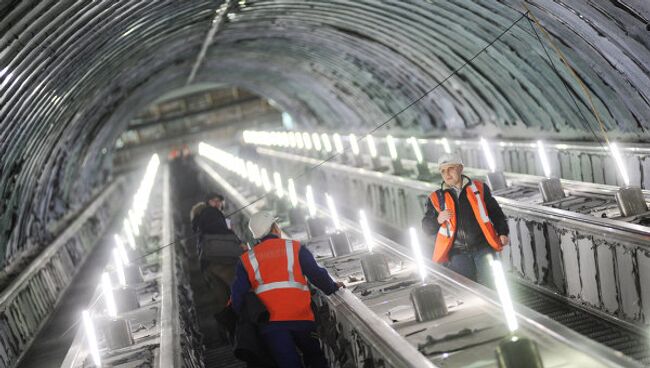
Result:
pixel 466 221
pixel 277 271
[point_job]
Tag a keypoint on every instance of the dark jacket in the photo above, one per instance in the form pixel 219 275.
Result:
pixel 212 221
pixel 468 233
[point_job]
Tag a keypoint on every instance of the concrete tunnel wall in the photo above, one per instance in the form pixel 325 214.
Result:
pixel 73 72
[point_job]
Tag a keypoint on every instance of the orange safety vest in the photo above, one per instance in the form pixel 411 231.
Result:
pixel 275 275
pixel 447 231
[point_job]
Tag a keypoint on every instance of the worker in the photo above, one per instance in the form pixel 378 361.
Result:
pixel 211 219
pixel 277 271
pixel 219 249
pixel 466 221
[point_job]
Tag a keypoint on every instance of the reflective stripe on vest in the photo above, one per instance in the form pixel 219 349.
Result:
pixel 256 266
pixel 444 230
pixel 481 205
pixel 288 246
pixel 478 207
pixel 280 285
pixel 291 284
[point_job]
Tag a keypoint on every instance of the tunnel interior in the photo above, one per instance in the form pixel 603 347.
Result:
pixel 89 90
pixel 73 73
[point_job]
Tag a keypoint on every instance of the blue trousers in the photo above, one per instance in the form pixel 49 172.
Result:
pixel 284 339
pixel 473 264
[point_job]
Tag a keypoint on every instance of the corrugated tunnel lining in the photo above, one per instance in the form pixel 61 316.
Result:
pixel 73 72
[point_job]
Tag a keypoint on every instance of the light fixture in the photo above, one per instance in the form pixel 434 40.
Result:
pixel 134 223
pixel 338 143
pixel 285 139
pixel 204 148
pixel 266 182
pixel 416 150
pixel 251 173
pixel 488 155
pixel 299 142
pixel 119 267
pixel 91 337
pixel 392 150
pixel 307 141
pixel 293 197
pixel 354 144
pixel 129 235
pixel 279 189
pixel 417 253
pixel 542 156
pixel 246 135
pixel 241 168
pixel 504 294
pixel 618 158
pixel 365 228
pixel 315 138
pixel 141 197
pixel 119 244
pixel 107 292
pixel 335 215
pixel 372 149
pixel 292 139
pixel 257 176
pixel 311 204
pixel 327 144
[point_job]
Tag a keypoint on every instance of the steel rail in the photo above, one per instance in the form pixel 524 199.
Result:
pixel 170 345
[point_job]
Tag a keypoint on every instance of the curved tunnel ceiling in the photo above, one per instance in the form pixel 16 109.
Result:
pixel 73 72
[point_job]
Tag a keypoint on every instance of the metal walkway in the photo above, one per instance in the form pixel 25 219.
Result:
pixel 629 342
pixel 471 303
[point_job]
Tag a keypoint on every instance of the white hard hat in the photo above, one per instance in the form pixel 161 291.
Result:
pixel 449 159
pixel 260 224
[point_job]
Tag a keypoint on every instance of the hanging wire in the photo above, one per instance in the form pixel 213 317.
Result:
pixel 559 53
pixel 393 116
pixel 365 136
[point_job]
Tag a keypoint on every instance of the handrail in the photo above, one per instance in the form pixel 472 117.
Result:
pixel 639 234
pixel 17 284
pixel 638 148
pixel 402 353
pixel 170 346
pixel 396 350
pixel 30 302
pixel 528 317
pixel 168 336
